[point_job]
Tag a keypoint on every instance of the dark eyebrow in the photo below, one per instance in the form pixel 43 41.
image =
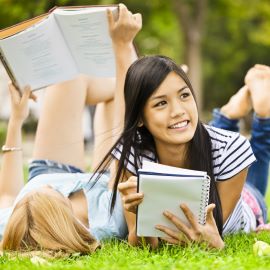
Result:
pixel 162 96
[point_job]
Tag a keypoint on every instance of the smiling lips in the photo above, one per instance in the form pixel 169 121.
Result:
pixel 178 125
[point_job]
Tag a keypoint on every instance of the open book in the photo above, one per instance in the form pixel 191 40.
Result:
pixel 165 188
pixel 58 46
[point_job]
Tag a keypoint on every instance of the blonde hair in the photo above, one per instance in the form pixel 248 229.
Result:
pixel 43 222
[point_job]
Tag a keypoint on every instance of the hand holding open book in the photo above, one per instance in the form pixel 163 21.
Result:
pixel 58 46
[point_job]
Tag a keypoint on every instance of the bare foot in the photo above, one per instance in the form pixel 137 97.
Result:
pixel 239 104
pixel 258 82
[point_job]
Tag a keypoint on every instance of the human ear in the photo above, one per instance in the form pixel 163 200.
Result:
pixel 140 124
pixel 184 68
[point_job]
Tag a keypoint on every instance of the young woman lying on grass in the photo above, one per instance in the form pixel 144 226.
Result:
pixel 59 209
pixel 161 124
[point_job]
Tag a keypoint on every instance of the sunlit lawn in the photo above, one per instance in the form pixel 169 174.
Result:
pixel 238 254
pixel 118 255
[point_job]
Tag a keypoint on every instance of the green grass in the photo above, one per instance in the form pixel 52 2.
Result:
pixel 238 254
pixel 117 255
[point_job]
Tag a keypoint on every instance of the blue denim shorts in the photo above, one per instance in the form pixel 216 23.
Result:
pixel 45 166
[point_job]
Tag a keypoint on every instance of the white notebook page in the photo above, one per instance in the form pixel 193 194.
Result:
pixel 163 192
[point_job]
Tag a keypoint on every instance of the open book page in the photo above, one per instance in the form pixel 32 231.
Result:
pixel 38 56
pixel 87 35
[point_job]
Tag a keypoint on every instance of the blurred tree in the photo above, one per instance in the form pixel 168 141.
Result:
pixel 191 18
pixel 160 33
pixel 237 36
pixel 13 11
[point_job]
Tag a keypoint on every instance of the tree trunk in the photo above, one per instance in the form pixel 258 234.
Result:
pixel 191 20
pixel 194 62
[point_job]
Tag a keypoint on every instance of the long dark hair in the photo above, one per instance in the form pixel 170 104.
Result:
pixel 143 78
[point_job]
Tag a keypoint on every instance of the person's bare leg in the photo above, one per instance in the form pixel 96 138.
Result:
pixel 239 104
pixel 59 135
pixel 258 82
pixel 104 131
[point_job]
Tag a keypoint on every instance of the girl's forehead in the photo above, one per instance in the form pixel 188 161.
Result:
pixel 173 82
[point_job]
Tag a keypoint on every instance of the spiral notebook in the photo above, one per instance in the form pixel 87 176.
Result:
pixel 165 188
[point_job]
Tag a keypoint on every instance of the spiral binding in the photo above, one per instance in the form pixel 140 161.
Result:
pixel 204 199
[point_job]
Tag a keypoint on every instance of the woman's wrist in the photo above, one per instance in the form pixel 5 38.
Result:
pixel 6 148
pixel 123 46
pixel 15 121
pixel 13 138
pixel 125 55
pixel 135 240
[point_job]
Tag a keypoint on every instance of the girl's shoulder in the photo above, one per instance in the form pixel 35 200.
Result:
pixel 218 135
pixel 132 162
pixel 231 152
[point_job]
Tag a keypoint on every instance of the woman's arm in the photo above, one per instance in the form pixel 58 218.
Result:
pixel 11 174
pixel 122 31
pixel 230 192
pixel 131 199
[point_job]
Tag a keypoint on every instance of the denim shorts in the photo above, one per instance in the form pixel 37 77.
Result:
pixel 45 166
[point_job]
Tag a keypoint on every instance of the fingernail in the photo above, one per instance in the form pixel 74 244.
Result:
pixel 182 205
pixel 166 213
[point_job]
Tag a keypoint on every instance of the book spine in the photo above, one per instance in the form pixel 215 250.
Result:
pixel 8 69
pixel 204 199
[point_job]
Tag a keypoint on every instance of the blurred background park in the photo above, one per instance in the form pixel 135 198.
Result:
pixel 218 39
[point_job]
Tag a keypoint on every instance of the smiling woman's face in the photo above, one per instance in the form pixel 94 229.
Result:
pixel 171 114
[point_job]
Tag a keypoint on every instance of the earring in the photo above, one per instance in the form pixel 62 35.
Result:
pixel 140 124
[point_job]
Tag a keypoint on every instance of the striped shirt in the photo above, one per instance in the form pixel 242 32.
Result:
pixel 231 153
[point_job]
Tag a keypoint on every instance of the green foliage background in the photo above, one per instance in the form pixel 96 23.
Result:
pixel 236 36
